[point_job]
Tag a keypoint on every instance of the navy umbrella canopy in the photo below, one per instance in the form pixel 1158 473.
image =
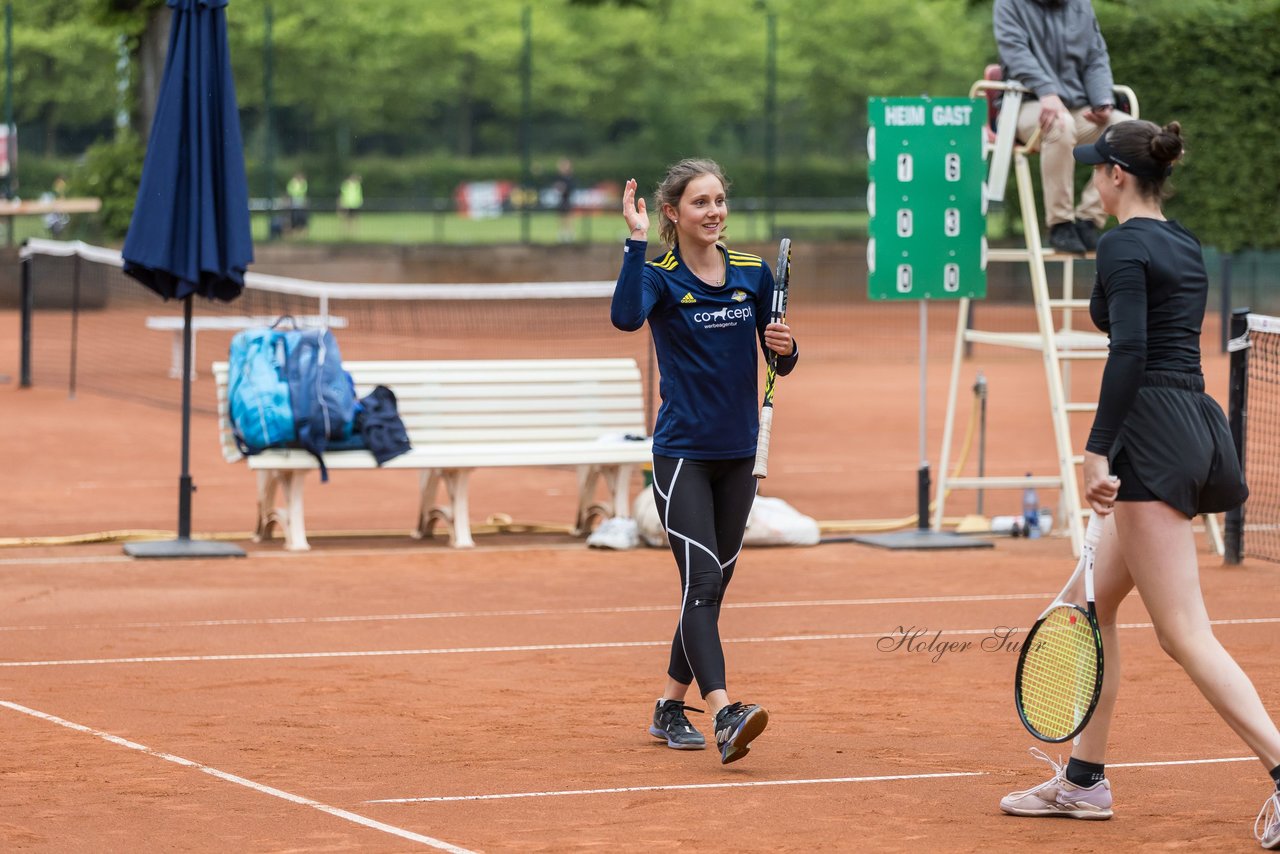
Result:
pixel 190 228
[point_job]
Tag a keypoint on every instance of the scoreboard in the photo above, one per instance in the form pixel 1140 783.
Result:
pixel 926 199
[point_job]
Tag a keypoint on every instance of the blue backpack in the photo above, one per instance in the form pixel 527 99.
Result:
pixel 258 391
pixel 323 395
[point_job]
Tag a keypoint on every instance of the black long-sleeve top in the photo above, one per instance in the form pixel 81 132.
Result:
pixel 1149 297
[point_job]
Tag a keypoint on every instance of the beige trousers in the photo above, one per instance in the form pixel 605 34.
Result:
pixel 1058 166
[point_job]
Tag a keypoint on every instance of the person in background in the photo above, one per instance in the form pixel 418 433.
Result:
pixel 56 221
pixel 350 200
pixel 564 187
pixel 1055 48
pixel 297 192
pixel 708 308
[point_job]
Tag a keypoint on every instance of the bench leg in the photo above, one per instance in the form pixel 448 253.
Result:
pixel 617 481
pixel 457 515
pixel 289 518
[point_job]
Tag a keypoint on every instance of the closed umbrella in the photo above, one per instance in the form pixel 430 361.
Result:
pixel 190 229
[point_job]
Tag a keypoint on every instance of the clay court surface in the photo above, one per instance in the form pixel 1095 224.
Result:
pixel 382 694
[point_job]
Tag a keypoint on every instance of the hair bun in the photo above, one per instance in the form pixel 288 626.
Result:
pixel 1166 145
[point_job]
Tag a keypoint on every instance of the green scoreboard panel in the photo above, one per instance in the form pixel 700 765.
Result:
pixel 926 199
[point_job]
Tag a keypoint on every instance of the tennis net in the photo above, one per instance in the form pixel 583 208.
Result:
pixel 94 328
pixel 1256 411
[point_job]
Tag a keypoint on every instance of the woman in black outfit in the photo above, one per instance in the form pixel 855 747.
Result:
pixel 1159 454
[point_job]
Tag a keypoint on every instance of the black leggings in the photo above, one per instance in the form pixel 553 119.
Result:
pixel 704 506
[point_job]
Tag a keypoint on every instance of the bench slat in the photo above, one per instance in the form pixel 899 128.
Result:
pixel 464 421
pixel 583 407
pixel 484 391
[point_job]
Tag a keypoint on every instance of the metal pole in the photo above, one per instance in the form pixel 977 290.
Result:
pixel 526 122
pixel 922 480
pixel 1238 415
pixel 185 487
pixel 1228 320
pixel 75 324
pixel 28 309
pixel 268 74
pixel 771 121
pixel 10 141
pixel 980 389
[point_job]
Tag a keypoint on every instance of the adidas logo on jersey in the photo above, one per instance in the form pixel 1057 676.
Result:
pixel 687 299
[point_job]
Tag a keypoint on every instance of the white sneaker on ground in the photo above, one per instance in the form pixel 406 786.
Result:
pixel 616 533
pixel 1267 827
pixel 1060 797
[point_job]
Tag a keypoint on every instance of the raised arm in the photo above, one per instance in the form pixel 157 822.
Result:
pixel 637 290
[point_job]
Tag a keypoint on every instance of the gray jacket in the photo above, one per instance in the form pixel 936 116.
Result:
pixel 1054 47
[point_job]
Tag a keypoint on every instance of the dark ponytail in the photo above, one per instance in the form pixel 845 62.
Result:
pixel 1166 145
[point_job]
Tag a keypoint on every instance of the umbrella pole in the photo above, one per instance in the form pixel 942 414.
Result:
pixel 184 546
pixel 185 486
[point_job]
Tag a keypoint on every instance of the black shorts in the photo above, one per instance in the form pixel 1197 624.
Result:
pixel 1175 446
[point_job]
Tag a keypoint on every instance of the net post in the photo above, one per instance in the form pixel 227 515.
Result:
pixel 1237 406
pixel 28 309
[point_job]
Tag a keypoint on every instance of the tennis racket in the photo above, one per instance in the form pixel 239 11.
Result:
pixel 781 283
pixel 1060 667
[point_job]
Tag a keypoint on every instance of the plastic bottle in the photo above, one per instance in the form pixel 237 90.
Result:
pixel 1030 512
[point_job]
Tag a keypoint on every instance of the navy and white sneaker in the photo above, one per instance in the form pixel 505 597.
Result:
pixel 737 725
pixel 670 724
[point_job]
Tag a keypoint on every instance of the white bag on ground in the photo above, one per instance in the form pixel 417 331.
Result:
pixel 773 522
pixel 645 511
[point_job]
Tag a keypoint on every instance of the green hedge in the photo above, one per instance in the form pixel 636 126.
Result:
pixel 1213 67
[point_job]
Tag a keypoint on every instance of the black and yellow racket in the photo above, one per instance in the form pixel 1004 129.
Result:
pixel 1059 674
pixel 781 283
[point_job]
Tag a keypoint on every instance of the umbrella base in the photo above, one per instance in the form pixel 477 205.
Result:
pixel 919 540
pixel 183 547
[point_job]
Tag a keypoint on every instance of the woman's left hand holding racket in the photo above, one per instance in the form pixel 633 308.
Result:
pixel 1100 486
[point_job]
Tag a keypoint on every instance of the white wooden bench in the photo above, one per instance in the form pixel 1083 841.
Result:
pixel 466 415
pixel 236 322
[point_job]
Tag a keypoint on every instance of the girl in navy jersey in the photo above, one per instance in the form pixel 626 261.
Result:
pixel 1159 453
pixel 708 309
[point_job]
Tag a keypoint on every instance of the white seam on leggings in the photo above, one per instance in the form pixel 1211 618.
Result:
pixel 688 541
pixel 684 596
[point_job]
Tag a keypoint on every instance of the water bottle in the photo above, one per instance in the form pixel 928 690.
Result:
pixel 1030 512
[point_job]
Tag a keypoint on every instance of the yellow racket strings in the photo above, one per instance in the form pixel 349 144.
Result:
pixel 1059 673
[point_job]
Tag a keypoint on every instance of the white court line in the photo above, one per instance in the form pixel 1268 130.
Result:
pixel 1175 762
pixel 815 782
pixel 240 781
pixel 737 785
pixel 541 647
pixel 529 612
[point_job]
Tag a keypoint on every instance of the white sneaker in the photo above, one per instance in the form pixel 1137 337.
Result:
pixel 616 533
pixel 1060 797
pixel 1267 827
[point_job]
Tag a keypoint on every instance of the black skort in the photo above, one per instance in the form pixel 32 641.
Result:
pixel 1175 446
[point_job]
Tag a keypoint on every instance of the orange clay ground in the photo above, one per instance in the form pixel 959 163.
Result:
pixel 381 694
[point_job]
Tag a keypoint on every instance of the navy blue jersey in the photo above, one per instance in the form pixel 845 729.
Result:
pixel 707 339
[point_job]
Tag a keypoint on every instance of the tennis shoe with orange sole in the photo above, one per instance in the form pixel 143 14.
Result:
pixel 1267 827
pixel 1060 797
pixel 737 725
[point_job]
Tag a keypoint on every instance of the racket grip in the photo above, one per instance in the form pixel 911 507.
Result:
pixel 762 443
pixel 1093 534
